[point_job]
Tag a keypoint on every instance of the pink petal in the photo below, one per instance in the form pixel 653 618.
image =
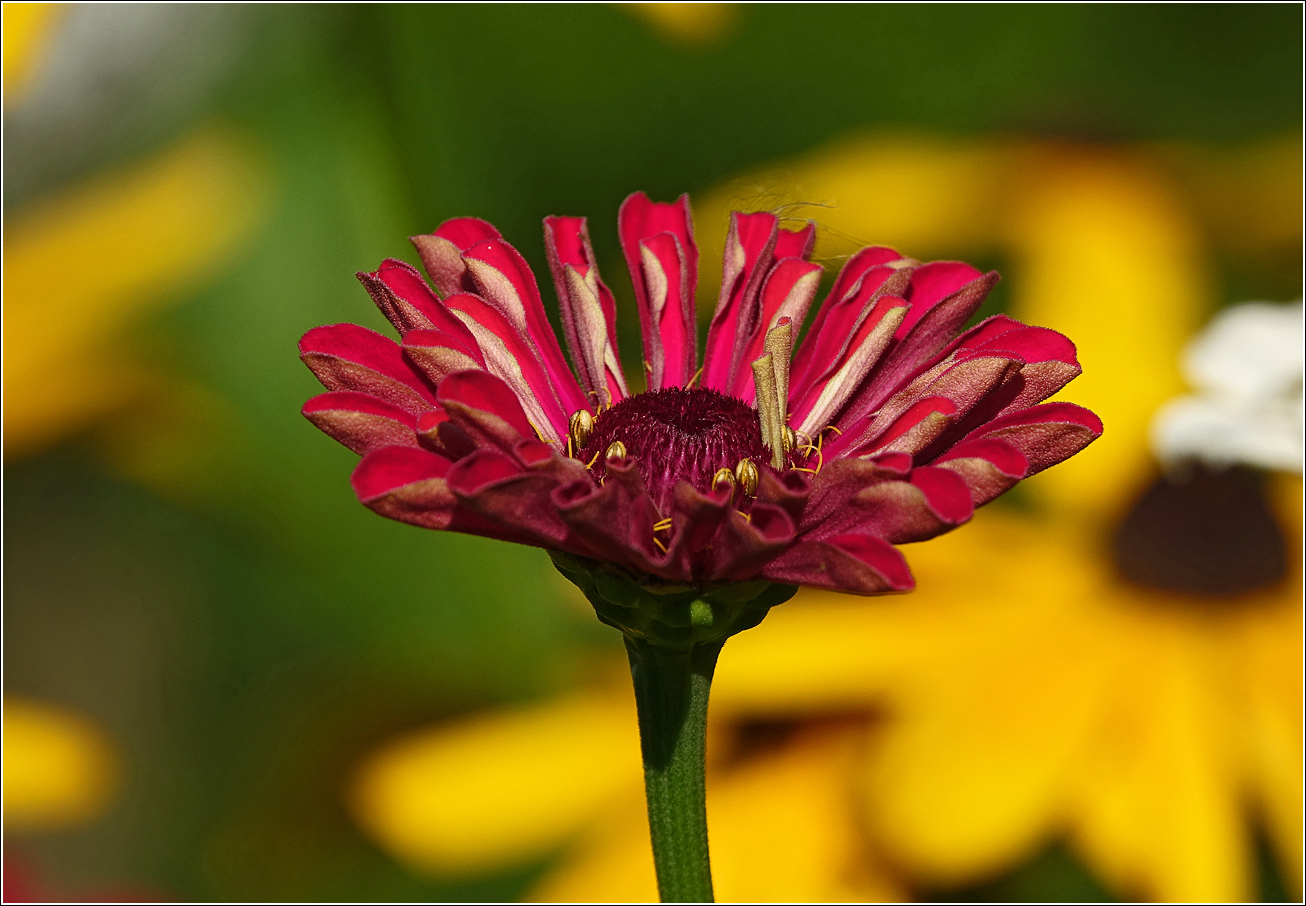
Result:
pixel 349 357
pixel 485 407
pixel 914 352
pixel 743 546
pixel 407 484
pixel 748 257
pixel 670 331
pixel 840 325
pixel 826 397
pixel 474 473
pixel 988 466
pixel 360 421
pixel 795 243
pixel 437 354
pixel 931 284
pixel 858 564
pixel 442 252
pixel 973 385
pixel 504 279
pixel 930 503
pixel 407 302
pixel 615 519
pixel 497 489
pixel 589 313
pixel 787 293
pixel 438 434
pixel 512 359
pixel 1045 434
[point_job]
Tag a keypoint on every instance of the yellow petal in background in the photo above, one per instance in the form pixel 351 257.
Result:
pixel 1268 670
pixel 688 23
pixel 781 828
pixel 1106 253
pixel 1156 794
pixel 60 770
pixel 29 29
pixel 500 788
pixel 919 195
pixel 81 267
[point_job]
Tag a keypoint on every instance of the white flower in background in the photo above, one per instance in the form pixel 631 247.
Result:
pixel 1246 367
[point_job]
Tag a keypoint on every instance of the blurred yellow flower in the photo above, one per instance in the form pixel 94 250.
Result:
pixel 60 770
pixel 1034 691
pixel 688 23
pixel 80 268
pixel 1030 691
pixel 28 31
pixel 510 787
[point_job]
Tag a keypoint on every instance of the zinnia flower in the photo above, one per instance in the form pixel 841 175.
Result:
pixel 888 425
pixel 685 513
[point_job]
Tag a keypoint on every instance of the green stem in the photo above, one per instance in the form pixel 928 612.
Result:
pixel 671 689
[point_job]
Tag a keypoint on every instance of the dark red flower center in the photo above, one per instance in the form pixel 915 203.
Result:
pixel 678 433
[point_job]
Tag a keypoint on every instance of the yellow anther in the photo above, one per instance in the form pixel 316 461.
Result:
pixel 615 450
pixel 694 380
pixel 590 464
pixel 662 547
pixel 580 428
pixel 747 475
pixel 723 476
pixel 662 525
pixel 791 438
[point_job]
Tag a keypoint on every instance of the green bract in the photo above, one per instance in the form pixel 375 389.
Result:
pixel 669 615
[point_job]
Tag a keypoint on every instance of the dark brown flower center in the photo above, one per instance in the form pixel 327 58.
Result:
pixel 1207 533
pixel 678 433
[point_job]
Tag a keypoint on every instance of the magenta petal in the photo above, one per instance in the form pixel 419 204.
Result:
pixel 438 434
pixel 441 252
pixel 695 518
pixel 485 407
pixel 1045 434
pixel 504 279
pixel 977 388
pixel 932 502
pixel 842 326
pixel 795 243
pixel 438 355
pixel 927 338
pixel 360 421
pixel 664 275
pixel 474 473
pixel 669 326
pixel 931 284
pixel 859 564
pixel 749 255
pixel 988 466
pixel 789 490
pixel 616 518
pixel 496 488
pixel 842 479
pixel 589 313
pixel 946 494
pixel 404 298
pixel 861 262
pixel 349 357
pixel 407 484
pixel 743 546
pixel 512 358
pixel 787 293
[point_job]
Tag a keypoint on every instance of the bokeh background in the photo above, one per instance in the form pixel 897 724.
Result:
pixel 226 680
